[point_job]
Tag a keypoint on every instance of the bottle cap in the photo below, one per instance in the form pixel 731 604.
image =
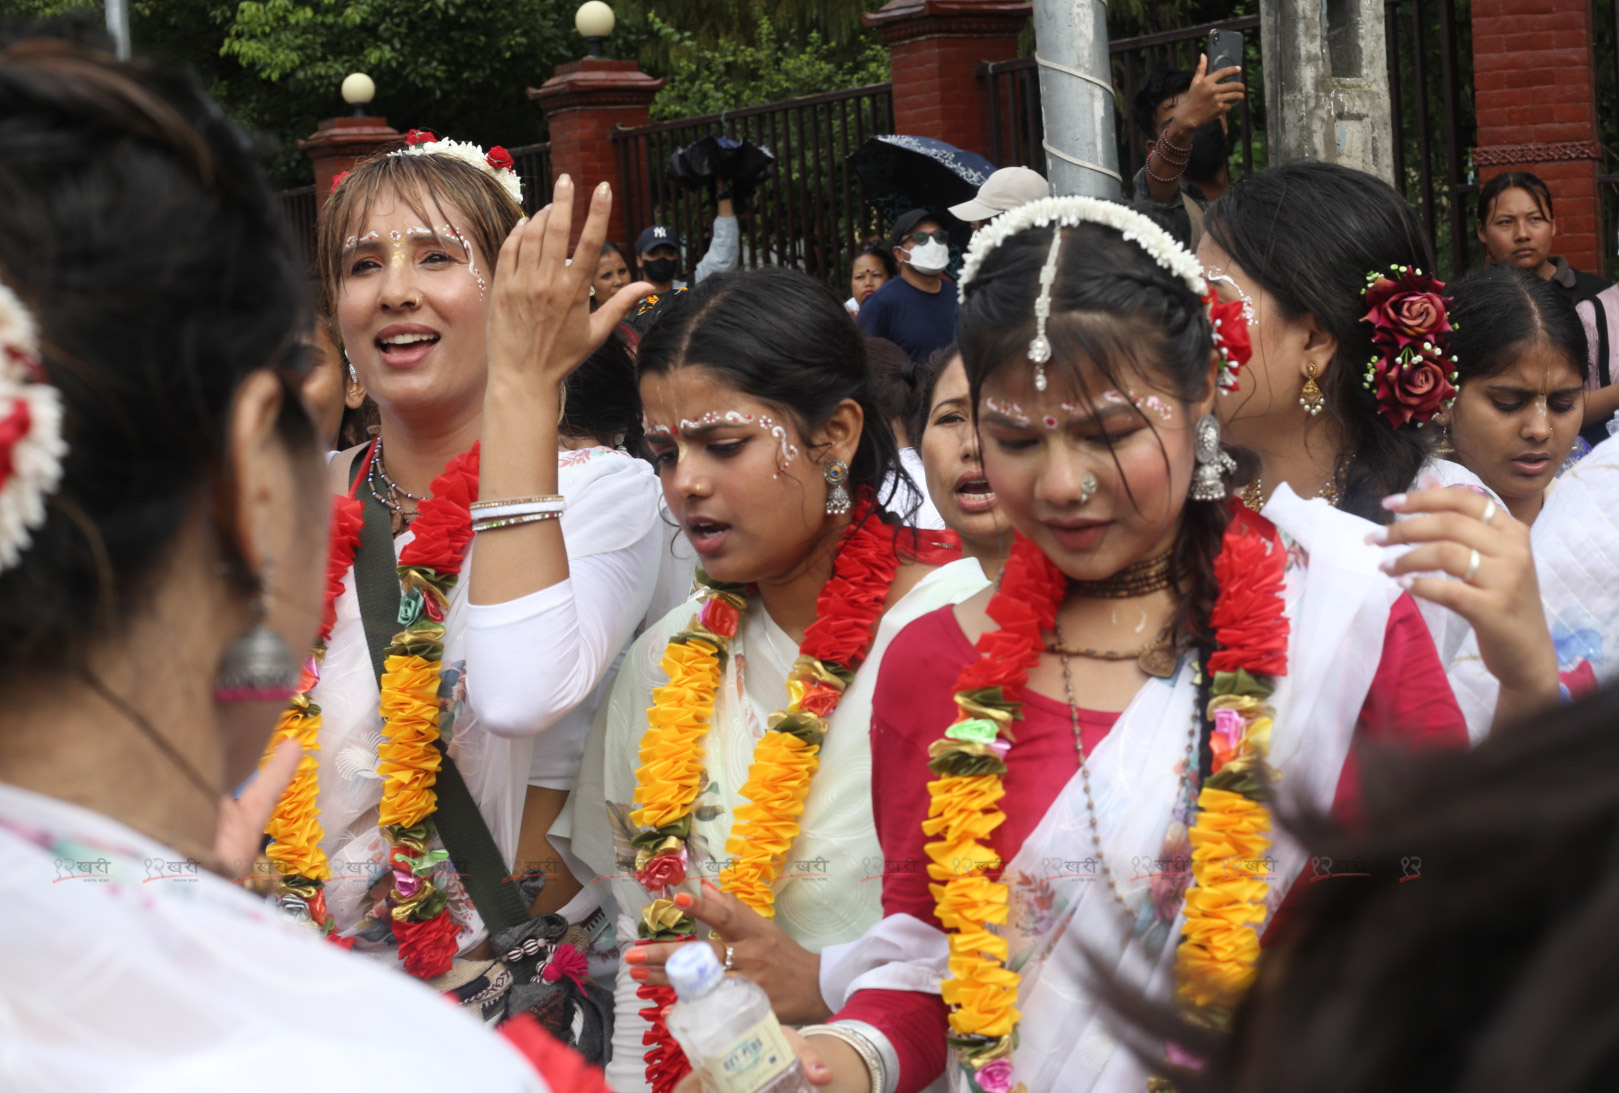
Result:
pixel 694 970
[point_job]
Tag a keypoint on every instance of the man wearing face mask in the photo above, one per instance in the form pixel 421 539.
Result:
pixel 916 310
pixel 657 250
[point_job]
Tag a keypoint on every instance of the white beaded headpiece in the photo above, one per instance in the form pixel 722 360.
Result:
pixel 1069 212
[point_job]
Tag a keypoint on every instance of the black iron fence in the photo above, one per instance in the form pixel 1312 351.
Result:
pixel 1430 61
pixel 1013 94
pixel 300 208
pixel 1605 65
pixel 532 162
pixel 811 215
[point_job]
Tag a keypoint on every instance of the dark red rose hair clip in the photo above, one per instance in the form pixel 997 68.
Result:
pixel 1412 373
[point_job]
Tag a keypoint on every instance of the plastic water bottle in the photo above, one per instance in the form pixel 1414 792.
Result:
pixel 725 1026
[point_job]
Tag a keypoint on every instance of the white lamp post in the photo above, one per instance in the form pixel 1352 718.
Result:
pixel 595 22
pixel 358 91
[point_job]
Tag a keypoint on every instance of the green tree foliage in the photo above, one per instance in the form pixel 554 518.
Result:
pixel 763 67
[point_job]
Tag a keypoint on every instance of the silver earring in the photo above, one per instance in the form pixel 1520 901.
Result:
pixel 1212 462
pixel 258 666
pixel 354 377
pixel 837 498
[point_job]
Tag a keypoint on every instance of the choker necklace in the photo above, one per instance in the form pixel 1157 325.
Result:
pixel 1137 579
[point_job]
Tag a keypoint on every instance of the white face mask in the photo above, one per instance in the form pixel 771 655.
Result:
pixel 929 258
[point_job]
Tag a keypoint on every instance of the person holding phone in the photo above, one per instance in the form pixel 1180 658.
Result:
pixel 1185 114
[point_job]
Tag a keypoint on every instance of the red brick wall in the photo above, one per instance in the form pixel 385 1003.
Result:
pixel 937 92
pixel 1532 85
pixel 582 147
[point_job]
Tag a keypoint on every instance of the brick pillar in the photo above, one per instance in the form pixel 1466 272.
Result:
pixel 935 47
pixel 1532 80
pixel 339 143
pixel 585 101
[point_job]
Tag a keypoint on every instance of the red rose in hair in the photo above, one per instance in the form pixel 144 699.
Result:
pixel 499 158
pixel 1407 312
pixel 427 948
pixel 1412 387
pixel 1230 322
pixel 421 136
pixel 338 180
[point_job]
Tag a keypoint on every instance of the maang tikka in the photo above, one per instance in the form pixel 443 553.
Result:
pixel 1040 346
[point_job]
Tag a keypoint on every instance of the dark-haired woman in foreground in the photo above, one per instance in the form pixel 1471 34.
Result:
pixel 735 747
pixel 189 515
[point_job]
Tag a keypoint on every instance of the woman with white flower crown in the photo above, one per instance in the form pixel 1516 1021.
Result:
pixel 1223 658
pixel 443 664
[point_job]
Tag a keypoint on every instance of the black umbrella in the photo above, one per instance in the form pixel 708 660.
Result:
pixel 741 163
pixel 899 173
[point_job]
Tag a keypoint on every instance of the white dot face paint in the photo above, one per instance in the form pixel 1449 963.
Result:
pixel 1154 404
pixel 472 257
pixel 709 419
pixel 789 452
pixel 1009 410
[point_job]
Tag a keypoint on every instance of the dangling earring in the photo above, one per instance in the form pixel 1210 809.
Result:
pixel 258 666
pixel 1444 449
pixel 354 377
pixel 1311 398
pixel 837 498
pixel 1212 462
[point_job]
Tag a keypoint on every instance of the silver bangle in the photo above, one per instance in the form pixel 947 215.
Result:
pixel 552 506
pixel 478 505
pixel 513 521
pixel 864 1039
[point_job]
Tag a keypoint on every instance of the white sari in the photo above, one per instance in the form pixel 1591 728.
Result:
pixel 1338 604
pixel 829 891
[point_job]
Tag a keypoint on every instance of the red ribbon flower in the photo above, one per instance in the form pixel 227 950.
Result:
pixel 443 532
pixel 427 948
pixel 1229 318
pixel 420 136
pixel 499 158
pixel 663 871
pixel 1249 624
pixel 338 180
pixel 720 617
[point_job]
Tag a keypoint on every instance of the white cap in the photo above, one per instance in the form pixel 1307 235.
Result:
pixel 1005 189
pixel 694 970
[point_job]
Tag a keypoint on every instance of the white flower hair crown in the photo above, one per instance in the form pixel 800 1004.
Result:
pixel 31 444
pixel 1070 212
pixel 496 163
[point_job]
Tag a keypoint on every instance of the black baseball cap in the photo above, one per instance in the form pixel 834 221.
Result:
pixel 658 235
pixel 908 221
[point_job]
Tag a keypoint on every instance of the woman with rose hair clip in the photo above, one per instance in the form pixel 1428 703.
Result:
pixel 1350 365
pixel 1223 658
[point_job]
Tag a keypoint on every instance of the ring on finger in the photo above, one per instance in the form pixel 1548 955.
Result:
pixel 730 956
pixel 1490 509
pixel 1473 560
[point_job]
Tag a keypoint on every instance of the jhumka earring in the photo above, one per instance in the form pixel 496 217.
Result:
pixel 1212 462
pixel 1311 397
pixel 837 498
pixel 258 666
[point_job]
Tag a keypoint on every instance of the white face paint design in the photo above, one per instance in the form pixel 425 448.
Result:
pixel 472 257
pixel 789 452
pixel 1216 275
pixel 1155 404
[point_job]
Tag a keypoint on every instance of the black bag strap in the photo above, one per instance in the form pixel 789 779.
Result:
pixel 484 873
pixel 1604 366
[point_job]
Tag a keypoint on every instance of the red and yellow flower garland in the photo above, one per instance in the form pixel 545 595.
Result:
pixel 1215 961
pixel 408 759
pixel 784 763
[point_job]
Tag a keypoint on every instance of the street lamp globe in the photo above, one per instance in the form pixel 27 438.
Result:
pixel 594 21
pixel 358 91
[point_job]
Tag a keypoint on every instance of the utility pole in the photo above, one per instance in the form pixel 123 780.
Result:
pixel 118 26
pixel 1076 97
pixel 1327 83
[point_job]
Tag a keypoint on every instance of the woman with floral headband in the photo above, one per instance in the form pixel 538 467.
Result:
pixel 735 747
pixel 1350 364
pixel 1223 659
pixel 439 665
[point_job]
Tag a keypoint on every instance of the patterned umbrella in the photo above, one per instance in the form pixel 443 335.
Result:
pixel 899 173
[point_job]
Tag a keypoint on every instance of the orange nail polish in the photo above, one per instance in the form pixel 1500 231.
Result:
pixel 683 900
pixel 640 973
pixel 635 956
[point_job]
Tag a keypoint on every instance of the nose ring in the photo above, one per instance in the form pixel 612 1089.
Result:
pixel 1087 487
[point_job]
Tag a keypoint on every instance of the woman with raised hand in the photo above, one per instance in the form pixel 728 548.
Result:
pixel 165 519
pixel 444 664
pixel 1350 366
pixel 734 747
